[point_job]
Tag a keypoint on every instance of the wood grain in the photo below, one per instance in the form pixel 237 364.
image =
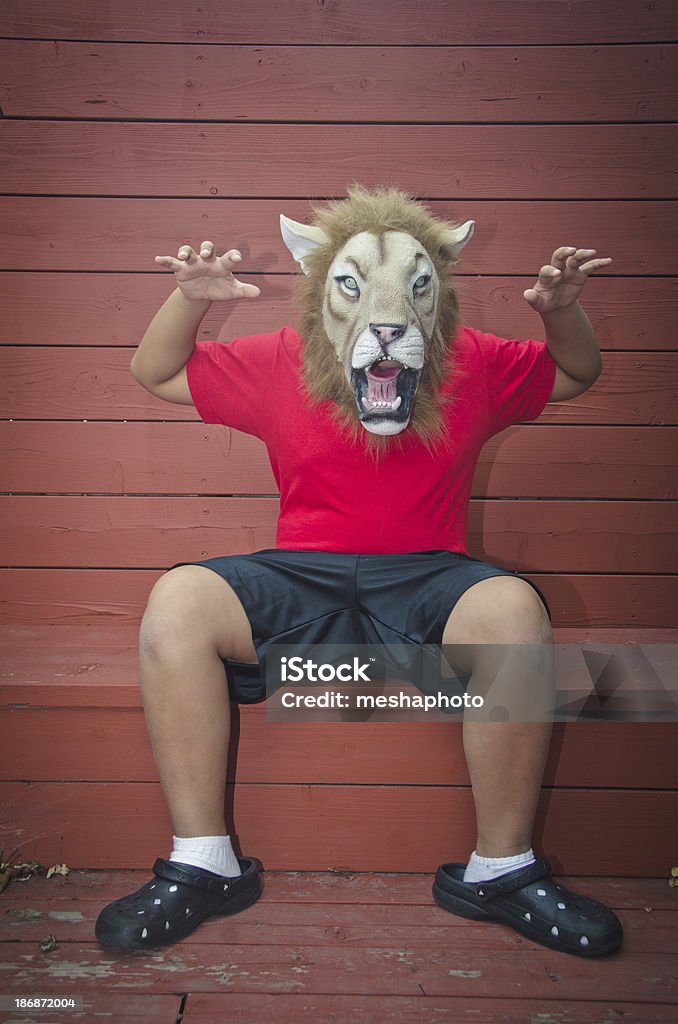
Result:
pixel 152 532
pixel 46 744
pixel 318 827
pixel 475 22
pixel 596 161
pixel 123 235
pixel 363 84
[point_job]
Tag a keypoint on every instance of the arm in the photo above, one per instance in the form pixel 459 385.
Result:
pixel 570 338
pixel 159 363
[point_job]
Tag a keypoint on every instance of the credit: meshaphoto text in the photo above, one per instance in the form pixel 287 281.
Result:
pixel 369 701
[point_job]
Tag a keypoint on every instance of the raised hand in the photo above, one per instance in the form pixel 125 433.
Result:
pixel 207 276
pixel 560 282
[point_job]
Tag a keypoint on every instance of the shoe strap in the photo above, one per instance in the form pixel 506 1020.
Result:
pixel 173 871
pixel 513 881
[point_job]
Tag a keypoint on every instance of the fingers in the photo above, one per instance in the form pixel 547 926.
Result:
pixel 187 255
pixel 169 262
pixel 561 254
pixel 233 256
pixel 567 257
pixel 549 276
pixel 593 265
pixel 207 252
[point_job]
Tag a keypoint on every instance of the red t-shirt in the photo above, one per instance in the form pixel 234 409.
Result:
pixel 333 496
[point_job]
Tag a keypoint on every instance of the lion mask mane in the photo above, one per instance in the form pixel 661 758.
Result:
pixel 379 310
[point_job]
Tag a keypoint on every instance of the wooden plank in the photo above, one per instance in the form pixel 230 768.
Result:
pixel 69 744
pixel 191 458
pixel 330 925
pixel 94 665
pixel 80 596
pixel 246 1008
pixel 44 233
pixel 152 532
pixel 588 536
pixel 96 383
pixel 114 309
pixel 524 972
pixel 472 22
pixel 279 83
pixel 82 532
pixel 321 888
pixel 129 457
pixel 321 827
pixel 96 596
pixel 208 159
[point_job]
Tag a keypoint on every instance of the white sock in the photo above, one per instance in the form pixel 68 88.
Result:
pixel 214 853
pixel 482 869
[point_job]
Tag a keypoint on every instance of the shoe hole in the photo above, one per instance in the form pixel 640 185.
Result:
pixel 188 910
pixel 541 892
pixel 528 916
pixel 561 906
pixel 172 888
pixel 144 933
pixel 156 902
pixel 584 941
pixel 141 911
pixel 166 926
pixel 554 930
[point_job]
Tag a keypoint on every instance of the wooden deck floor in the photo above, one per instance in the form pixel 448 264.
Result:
pixel 326 947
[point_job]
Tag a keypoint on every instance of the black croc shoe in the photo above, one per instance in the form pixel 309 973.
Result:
pixel 174 903
pixel 531 902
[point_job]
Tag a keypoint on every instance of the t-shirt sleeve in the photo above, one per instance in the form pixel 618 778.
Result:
pixel 230 381
pixel 520 377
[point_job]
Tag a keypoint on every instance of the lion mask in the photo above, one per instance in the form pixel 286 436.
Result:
pixel 379 309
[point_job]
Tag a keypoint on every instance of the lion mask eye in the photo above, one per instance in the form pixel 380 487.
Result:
pixel 422 281
pixel 349 283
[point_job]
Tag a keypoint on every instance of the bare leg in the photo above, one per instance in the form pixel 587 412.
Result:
pixel 193 618
pixel 505 758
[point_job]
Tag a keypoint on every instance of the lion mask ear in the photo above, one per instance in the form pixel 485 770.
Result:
pixel 301 239
pixel 456 240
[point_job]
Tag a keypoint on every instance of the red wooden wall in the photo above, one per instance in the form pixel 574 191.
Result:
pixel 130 129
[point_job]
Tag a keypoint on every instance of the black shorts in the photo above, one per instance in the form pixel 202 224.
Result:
pixel 320 597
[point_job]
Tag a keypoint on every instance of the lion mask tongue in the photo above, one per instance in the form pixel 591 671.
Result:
pixel 382 383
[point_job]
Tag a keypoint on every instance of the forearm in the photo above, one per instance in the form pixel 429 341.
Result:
pixel 572 342
pixel 169 339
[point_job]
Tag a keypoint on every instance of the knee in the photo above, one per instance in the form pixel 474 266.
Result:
pixel 518 615
pixel 174 612
pixel 500 610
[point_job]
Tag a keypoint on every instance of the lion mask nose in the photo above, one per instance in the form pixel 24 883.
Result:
pixel 388 333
